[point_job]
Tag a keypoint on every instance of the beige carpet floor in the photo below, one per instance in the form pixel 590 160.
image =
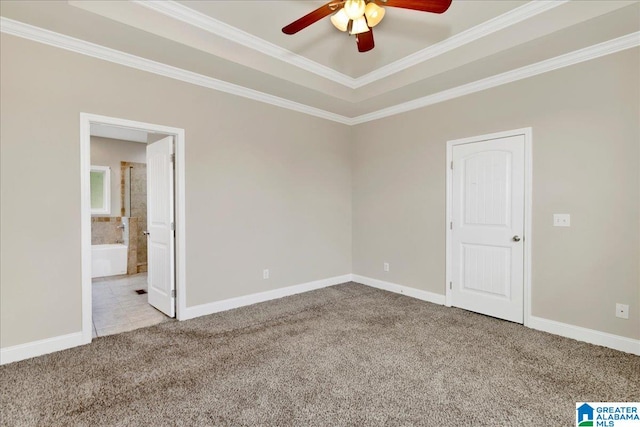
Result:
pixel 344 355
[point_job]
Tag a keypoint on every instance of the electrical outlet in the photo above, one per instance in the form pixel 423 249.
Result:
pixel 622 311
pixel 265 273
pixel 386 266
pixel 561 220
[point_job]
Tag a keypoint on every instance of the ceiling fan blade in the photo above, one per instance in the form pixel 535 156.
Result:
pixel 310 18
pixel 365 41
pixel 433 6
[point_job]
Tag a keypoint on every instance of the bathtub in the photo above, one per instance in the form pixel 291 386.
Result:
pixel 108 260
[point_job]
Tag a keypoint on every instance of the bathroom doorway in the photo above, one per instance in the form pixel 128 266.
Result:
pixel 132 236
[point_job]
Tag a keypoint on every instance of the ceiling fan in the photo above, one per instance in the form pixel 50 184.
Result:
pixel 358 17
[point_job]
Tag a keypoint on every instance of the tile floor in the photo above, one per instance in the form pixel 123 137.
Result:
pixel 118 308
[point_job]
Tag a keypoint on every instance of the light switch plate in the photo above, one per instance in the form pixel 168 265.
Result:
pixel 561 220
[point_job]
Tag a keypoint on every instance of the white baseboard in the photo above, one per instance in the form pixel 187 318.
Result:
pixel 49 345
pixel 399 289
pixel 591 336
pixel 40 347
pixel 231 303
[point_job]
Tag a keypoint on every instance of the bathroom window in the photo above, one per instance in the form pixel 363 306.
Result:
pixel 100 190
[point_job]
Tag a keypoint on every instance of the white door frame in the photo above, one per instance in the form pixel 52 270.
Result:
pixel 86 120
pixel 528 187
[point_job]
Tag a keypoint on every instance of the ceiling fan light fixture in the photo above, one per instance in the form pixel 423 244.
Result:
pixel 354 9
pixel 340 20
pixel 358 17
pixel 374 14
pixel 359 26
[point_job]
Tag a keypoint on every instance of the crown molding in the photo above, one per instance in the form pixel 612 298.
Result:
pixel 507 19
pixel 93 50
pixel 82 47
pixel 592 52
pixel 205 22
pixel 197 19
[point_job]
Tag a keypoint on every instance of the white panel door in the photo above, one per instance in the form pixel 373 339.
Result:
pixel 160 237
pixel 487 227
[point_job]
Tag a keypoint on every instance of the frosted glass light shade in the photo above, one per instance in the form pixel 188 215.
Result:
pixel 354 8
pixel 374 14
pixel 340 20
pixel 359 26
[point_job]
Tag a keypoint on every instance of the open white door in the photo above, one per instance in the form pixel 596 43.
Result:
pixel 160 226
pixel 487 252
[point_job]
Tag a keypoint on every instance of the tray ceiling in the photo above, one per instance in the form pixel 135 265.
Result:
pixel 417 54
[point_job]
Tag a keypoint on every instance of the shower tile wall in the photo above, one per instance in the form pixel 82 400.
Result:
pixel 106 230
pixel 137 204
pixel 132 243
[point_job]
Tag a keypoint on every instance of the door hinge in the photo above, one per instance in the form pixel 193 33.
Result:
pixel 451 225
pixel 452 165
pixel 173 158
pixel 450 285
pixel 173 293
pixel 173 226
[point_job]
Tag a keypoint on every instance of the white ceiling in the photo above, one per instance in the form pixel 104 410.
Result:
pixel 402 32
pixel 417 54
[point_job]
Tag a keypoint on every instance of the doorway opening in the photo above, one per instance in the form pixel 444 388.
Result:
pixel 132 227
pixel 488 228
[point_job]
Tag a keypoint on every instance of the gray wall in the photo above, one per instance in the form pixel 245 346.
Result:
pixel 110 152
pixel 265 187
pixel 271 188
pixel 586 140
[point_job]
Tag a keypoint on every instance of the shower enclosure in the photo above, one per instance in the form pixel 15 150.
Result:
pixel 134 207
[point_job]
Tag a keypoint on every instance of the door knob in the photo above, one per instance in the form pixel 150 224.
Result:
pixel 146 233
pixel 516 238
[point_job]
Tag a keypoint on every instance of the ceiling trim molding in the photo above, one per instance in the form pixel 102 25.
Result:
pixel 192 17
pixel 205 22
pixel 41 35
pixel 30 32
pixel 470 35
pixel 592 52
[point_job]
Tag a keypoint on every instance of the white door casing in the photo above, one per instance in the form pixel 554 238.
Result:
pixel 160 226
pixel 86 120
pixel 487 227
